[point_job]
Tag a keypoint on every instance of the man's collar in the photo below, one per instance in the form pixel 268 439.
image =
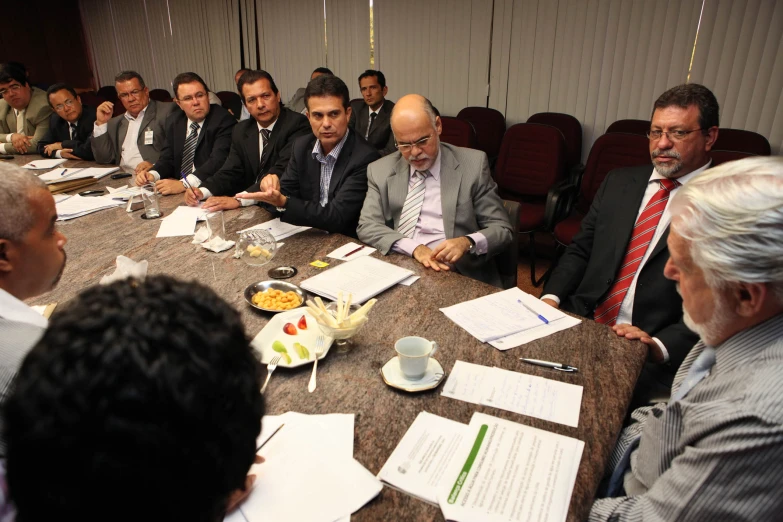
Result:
pixel 740 347
pixel 335 152
pixel 435 168
pixel 682 179
pixel 271 125
pixel 13 309
pixel 199 123
pixel 139 116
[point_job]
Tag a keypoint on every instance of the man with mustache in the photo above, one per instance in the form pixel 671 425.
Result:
pixel 613 270
pixel 24 113
pixel 32 259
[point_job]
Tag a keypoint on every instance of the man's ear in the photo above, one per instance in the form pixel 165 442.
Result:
pixel 750 298
pixel 6 254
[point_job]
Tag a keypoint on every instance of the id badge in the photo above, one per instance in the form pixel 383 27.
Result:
pixel 148 137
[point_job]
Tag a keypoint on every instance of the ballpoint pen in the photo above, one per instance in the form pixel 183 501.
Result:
pixel 533 311
pixel 553 365
pixel 270 437
pixel 65 171
pixel 352 252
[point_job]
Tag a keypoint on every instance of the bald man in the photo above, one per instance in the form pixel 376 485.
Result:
pixel 432 201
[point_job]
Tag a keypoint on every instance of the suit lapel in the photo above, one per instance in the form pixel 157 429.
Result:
pixel 398 189
pixel 149 115
pixel 253 151
pixel 203 132
pixel 122 131
pixel 276 132
pixel 341 164
pixel 450 181
pixel 380 120
pixel 631 195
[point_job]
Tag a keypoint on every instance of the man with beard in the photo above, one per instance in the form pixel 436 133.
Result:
pixel 32 260
pixel 714 451
pixel 613 270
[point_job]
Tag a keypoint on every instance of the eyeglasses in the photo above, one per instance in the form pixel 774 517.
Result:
pixel 406 147
pixel 198 96
pixel 135 93
pixel 13 88
pixel 66 103
pixel 675 135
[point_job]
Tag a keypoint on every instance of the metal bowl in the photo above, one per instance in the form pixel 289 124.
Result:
pixel 251 290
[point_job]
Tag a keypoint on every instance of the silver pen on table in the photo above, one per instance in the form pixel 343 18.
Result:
pixel 553 365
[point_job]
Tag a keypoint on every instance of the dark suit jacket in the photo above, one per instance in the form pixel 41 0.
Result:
pixel 381 136
pixel 60 132
pixel 107 148
pixel 301 183
pixel 587 269
pixel 243 166
pixel 214 142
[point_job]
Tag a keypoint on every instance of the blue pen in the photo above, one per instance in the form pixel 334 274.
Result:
pixel 185 182
pixel 63 172
pixel 533 311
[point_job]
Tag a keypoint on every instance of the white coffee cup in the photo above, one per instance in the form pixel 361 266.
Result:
pixel 414 354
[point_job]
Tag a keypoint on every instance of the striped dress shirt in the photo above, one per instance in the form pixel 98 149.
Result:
pixel 327 165
pixel 716 454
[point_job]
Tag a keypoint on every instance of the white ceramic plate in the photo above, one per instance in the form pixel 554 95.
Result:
pixel 273 331
pixel 391 373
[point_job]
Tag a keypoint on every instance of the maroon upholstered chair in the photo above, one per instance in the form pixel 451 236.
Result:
pixel 161 95
pixel 108 93
pixel 490 126
pixel 457 132
pixel 91 99
pixel 742 141
pixel 641 127
pixel 571 129
pixel 566 208
pixel 532 161
pixel 722 156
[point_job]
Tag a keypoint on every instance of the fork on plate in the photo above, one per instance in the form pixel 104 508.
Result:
pixel 269 369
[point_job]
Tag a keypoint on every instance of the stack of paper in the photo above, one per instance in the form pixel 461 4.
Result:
pixel 181 222
pixel 504 471
pixel 365 278
pixel 504 320
pixel 44 164
pixel 514 391
pixel 124 193
pixel 350 251
pixel 278 229
pixel 309 471
pixel 77 206
pixel 60 175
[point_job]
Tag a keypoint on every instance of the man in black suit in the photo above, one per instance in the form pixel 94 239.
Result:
pixel 260 145
pixel 325 182
pixel 371 116
pixel 70 127
pixel 198 139
pixel 613 270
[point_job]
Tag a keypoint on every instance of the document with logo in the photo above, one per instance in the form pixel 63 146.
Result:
pixel 506 471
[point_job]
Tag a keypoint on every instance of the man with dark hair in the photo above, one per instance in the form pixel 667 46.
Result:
pixel 32 259
pixel 613 270
pixel 154 418
pixel 24 111
pixel 371 116
pixel 297 103
pixel 198 138
pixel 260 146
pixel 326 180
pixel 70 127
pixel 134 139
pixel 238 109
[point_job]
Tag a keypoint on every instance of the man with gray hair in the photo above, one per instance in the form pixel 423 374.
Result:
pixel 715 450
pixel 32 260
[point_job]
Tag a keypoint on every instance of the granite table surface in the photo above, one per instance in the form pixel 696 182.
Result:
pixel 351 382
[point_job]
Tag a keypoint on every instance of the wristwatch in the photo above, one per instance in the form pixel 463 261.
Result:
pixel 472 249
pixel 282 209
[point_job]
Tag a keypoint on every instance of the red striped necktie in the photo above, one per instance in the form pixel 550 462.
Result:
pixel 643 232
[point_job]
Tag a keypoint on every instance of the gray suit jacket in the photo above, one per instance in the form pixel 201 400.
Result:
pixel 469 198
pixel 297 103
pixel 717 453
pixel 36 121
pixel 107 148
pixel 381 136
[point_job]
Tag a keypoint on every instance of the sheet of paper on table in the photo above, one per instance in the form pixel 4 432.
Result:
pixel 313 454
pixel 340 253
pixel 521 393
pixel 58 175
pixel 44 164
pixel 504 471
pixel 278 229
pixel 124 192
pixel 77 206
pixel 365 278
pixel 503 314
pixel 181 222
pixel 418 462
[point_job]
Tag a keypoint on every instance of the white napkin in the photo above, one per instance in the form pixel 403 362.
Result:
pixel 200 236
pixel 218 244
pixel 126 268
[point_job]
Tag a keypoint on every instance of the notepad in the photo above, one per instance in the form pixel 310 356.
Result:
pixel 59 175
pixel 365 278
pixel 76 206
pixel 44 164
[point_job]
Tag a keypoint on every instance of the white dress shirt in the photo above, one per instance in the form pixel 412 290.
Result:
pixel 19 130
pixel 193 180
pixel 72 133
pixel 131 156
pixel 626 308
pixel 13 309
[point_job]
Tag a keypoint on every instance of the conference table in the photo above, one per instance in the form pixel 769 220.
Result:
pixel 351 382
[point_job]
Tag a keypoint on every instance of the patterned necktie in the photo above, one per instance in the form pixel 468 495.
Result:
pixel 265 133
pixel 643 232
pixel 413 203
pixel 372 120
pixel 20 122
pixel 72 129
pixel 189 151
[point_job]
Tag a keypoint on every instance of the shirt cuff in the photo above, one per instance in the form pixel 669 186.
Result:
pixel 8 137
pixel 246 202
pixel 481 243
pixel 553 298
pixel 99 130
pixel 2 148
pixel 57 154
pixel 405 246
pixel 663 349
pixel 206 193
pixel 193 180
pixel 155 174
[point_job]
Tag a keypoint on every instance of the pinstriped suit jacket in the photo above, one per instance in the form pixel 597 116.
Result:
pixel 469 200
pixel 717 454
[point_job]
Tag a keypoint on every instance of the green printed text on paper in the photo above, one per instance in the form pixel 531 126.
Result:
pixel 468 464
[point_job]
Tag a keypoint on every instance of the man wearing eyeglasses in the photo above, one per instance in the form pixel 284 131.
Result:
pixel 198 139
pixel 70 127
pixel 432 201
pixel 24 112
pixel 613 270
pixel 133 140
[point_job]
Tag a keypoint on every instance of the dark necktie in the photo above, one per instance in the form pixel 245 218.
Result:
pixel 372 120
pixel 189 152
pixel 265 133
pixel 72 128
